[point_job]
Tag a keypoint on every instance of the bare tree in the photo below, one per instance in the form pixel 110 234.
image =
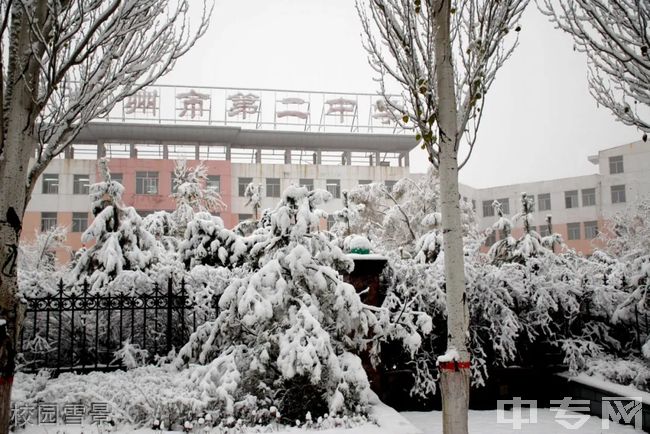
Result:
pixel 615 36
pixel 444 55
pixel 65 63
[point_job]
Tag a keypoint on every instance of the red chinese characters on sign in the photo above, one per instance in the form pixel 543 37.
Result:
pixel 243 104
pixel 293 107
pixel 192 102
pixel 342 107
pixel 144 101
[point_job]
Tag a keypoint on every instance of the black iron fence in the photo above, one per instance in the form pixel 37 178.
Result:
pixel 80 331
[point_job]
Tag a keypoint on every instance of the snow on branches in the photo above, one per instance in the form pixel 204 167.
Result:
pixel 288 332
pixel 614 34
pixel 192 193
pixel 123 251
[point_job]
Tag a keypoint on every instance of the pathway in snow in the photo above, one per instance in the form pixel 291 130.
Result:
pixel 485 422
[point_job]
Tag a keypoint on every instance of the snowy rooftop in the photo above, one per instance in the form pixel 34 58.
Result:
pixel 237 136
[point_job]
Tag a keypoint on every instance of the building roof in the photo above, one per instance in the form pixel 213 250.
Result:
pixel 120 132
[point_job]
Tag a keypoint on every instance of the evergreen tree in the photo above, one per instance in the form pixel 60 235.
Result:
pixel 124 251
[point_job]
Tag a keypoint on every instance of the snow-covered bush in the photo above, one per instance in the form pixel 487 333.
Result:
pixel 627 241
pixel 288 333
pixel 207 242
pixel 192 194
pixel 38 271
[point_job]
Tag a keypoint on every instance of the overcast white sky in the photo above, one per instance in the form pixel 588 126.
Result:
pixel 540 121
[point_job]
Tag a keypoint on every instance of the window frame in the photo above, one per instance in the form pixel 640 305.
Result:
pixel 273 189
pixel 616 165
pixel 569 228
pixel 77 187
pixel 589 225
pixel 144 181
pixel 52 218
pixel 505 205
pixel 210 181
pixel 336 184
pixel 543 198
pixel 488 209
pixel 76 217
pixel 569 195
pixel 241 185
pixel 620 191
pixel 584 196
pixel 46 184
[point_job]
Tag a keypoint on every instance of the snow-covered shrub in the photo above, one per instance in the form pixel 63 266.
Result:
pixel 628 372
pixel 131 356
pixel 38 271
pixel 192 194
pixel 288 332
pixel 627 241
pixel 207 242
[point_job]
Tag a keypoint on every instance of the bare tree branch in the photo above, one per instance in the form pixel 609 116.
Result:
pixel 615 36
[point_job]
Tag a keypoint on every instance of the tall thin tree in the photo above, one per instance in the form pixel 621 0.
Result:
pixel 444 56
pixel 65 63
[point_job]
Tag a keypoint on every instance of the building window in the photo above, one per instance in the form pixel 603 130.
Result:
pixel 174 187
pixel 589 197
pixel 334 187
pixel 505 205
pixel 591 230
pixel 389 185
pixel 491 239
pixel 544 202
pixel 50 183
pixel 242 183
pixel 48 221
pixel 365 182
pixel 117 177
pixel 146 183
pixel 618 194
pixel 214 183
pixel 330 222
pixel 79 221
pixel 81 184
pixel 488 211
pixel 616 164
pixel 543 231
pixel 573 231
pixel 571 199
pixel 244 217
pixel 473 204
pixel 272 187
pixel 307 182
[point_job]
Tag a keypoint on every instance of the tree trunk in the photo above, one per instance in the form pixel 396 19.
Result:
pixel 19 145
pixel 454 379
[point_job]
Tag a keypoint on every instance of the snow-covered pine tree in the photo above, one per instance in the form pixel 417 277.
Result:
pixel 288 333
pixel 253 195
pixel 123 251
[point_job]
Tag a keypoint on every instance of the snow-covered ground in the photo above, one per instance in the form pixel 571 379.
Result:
pixel 386 421
pixel 485 422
